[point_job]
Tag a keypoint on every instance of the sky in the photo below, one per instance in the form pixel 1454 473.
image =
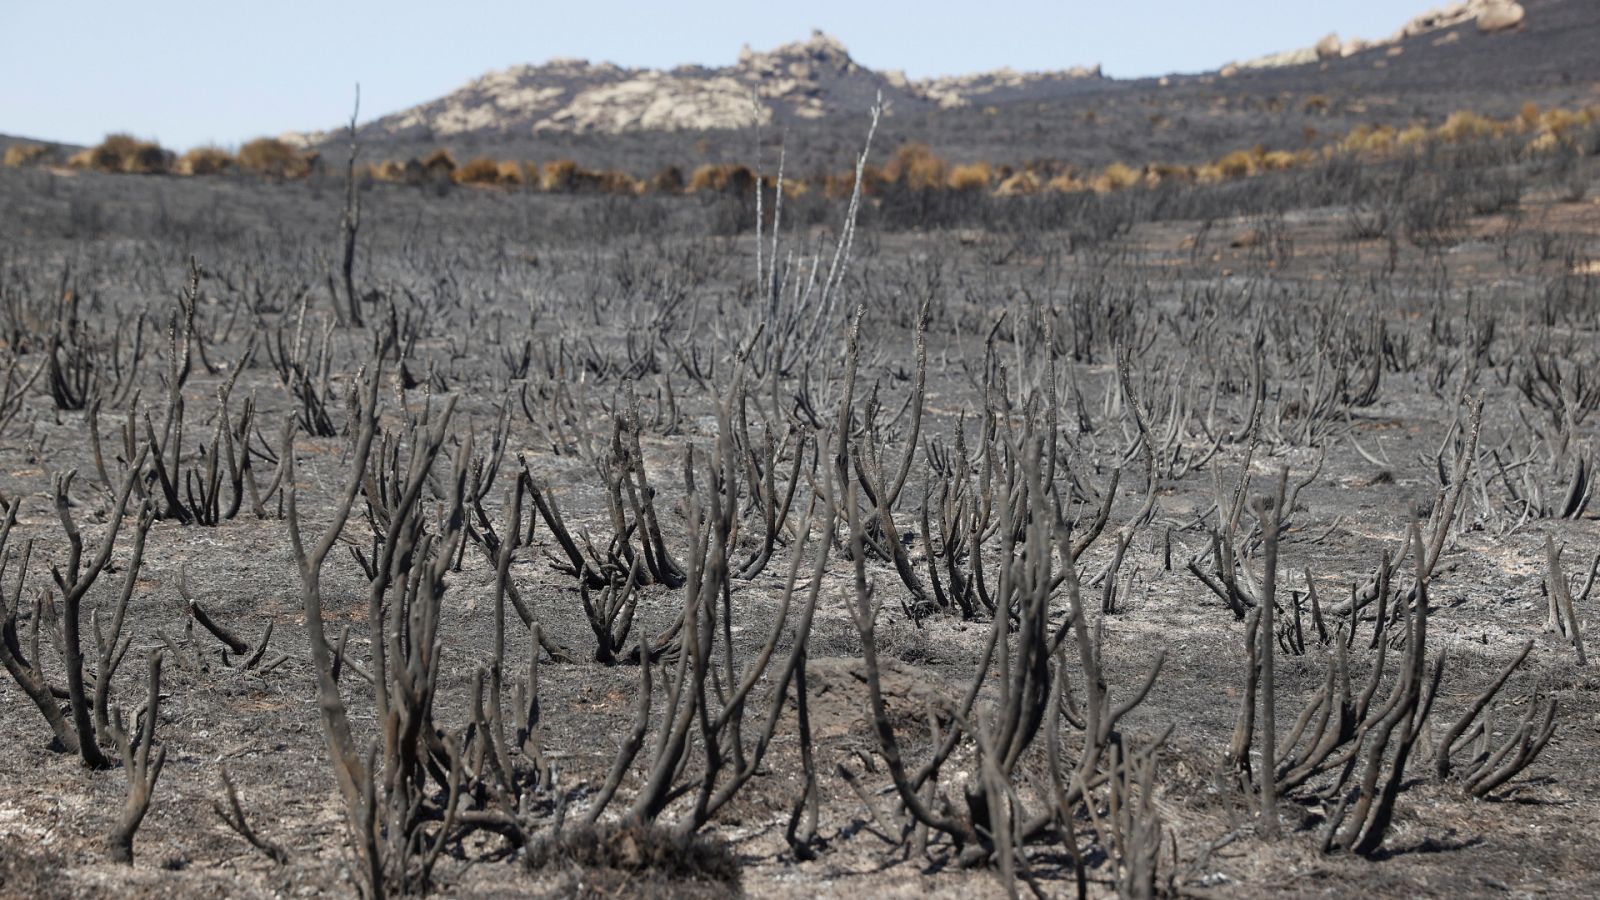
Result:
pixel 189 73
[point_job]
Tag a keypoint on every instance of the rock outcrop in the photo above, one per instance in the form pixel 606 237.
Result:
pixel 1500 17
pixel 803 80
pixel 1329 47
pixel 1490 16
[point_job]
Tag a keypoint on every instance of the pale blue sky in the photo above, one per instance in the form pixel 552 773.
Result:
pixel 187 72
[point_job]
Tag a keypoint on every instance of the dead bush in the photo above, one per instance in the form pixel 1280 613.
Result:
pixel 640 849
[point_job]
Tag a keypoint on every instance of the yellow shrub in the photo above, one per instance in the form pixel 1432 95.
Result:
pixel 1066 183
pixel 125 153
pixel 559 176
pixel 969 177
pixel 1465 125
pixel 1559 121
pixel 668 180
pixel 1412 136
pixel 273 158
pixel 1544 143
pixel 916 167
pixel 615 181
pixel 1020 184
pixel 1158 173
pixel 723 178
pixel 396 172
pixel 481 170
pixel 205 161
pixel 1237 164
pixel 27 155
pixel 439 164
pixel 840 186
pixel 148 159
pixel 1529 116
pixel 1116 177
pixel 1371 139
pixel 1316 103
pixel 113 153
pixel 509 173
pixel 1278 160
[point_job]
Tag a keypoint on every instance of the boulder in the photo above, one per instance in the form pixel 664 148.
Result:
pixel 1329 47
pixel 1500 17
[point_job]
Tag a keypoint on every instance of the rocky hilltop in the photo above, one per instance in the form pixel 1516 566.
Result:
pixel 804 80
pixel 1490 16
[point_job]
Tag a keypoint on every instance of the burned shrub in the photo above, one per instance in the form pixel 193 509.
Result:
pixel 644 850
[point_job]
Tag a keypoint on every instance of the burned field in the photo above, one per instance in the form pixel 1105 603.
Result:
pixel 1207 539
